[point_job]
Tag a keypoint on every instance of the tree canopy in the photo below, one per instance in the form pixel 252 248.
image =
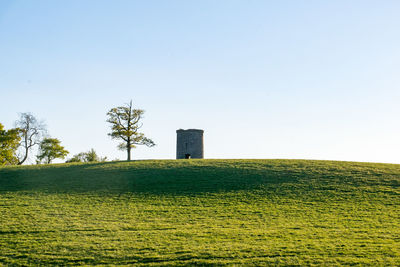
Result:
pixel 50 149
pixel 9 141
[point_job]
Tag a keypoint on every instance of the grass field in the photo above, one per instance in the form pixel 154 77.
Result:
pixel 204 212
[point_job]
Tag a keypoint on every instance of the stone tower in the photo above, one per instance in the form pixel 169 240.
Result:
pixel 189 144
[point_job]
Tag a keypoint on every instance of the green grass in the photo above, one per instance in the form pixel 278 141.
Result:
pixel 201 212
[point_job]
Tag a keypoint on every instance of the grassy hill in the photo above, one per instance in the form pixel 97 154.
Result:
pixel 205 212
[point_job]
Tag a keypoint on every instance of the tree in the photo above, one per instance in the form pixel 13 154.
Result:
pixel 9 141
pixel 50 149
pixel 125 125
pixel 80 157
pixel 31 131
pixel 89 156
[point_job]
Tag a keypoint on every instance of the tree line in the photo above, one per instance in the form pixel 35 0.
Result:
pixel 17 144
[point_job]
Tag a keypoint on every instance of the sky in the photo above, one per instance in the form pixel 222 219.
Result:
pixel 263 79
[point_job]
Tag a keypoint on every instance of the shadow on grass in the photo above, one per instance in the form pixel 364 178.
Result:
pixel 191 177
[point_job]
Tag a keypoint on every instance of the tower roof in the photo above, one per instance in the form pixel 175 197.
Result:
pixel 190 130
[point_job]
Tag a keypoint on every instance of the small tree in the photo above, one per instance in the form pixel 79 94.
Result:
pixel 9 141
pixel 50 149
pixel 80 157
pixel 31 131
pixel 125 125
pixel 90 156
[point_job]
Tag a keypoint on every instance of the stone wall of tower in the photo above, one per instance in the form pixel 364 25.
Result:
pixel 189 143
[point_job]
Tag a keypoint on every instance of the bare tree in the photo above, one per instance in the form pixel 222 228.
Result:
pixel 32 132
pixel 125 125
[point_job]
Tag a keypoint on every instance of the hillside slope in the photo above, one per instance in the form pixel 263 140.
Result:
pixel 187 212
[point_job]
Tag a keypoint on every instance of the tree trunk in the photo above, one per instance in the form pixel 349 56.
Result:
pixel 128 149
pixel 25 157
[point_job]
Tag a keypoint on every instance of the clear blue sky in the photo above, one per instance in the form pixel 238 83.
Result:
pixel 264 79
